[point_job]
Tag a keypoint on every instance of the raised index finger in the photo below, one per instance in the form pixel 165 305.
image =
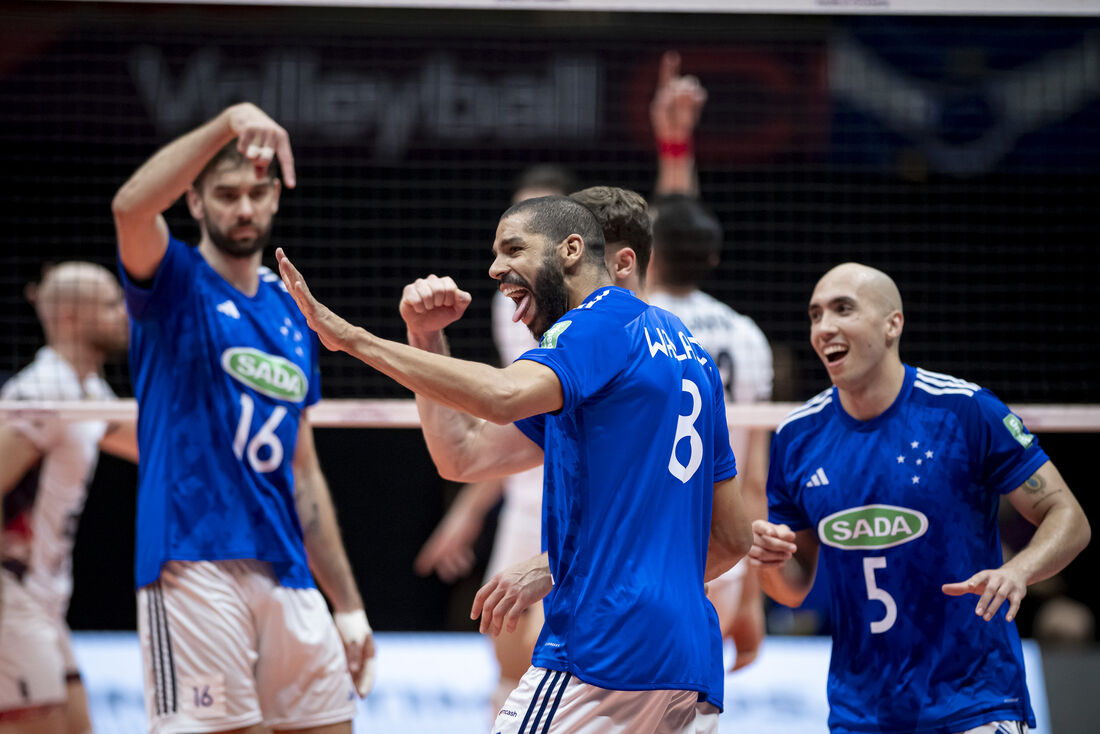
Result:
pixel 669 68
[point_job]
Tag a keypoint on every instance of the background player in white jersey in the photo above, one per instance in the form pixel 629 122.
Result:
pixel 687 245
pixel 687 240
pixel 233 511
pixel 624 219
pixel 623 507
pixel 892 478
pixel 45 467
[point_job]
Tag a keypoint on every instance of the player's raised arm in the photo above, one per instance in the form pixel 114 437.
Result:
pixel 498 395
pixel 160 181
pixel 674 112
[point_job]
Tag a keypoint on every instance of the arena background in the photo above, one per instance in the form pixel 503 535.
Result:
pixel 958 153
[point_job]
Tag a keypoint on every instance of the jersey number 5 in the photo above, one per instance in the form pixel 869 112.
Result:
pixel 265 437
pixel 685 428
pixel 874 593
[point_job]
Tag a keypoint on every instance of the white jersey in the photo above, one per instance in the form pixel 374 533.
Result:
pixel 523 491
pixel 39 534
pixel 735 341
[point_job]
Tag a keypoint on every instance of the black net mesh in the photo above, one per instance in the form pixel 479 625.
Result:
pixel 960 155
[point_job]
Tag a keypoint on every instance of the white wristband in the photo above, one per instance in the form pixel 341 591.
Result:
pixel 353 626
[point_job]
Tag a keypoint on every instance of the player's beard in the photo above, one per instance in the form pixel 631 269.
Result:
pixel 237 247
pixel 549 295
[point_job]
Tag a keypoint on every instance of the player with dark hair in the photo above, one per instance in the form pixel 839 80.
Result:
pixel 45 467
pixel 234 515
pixel 624 218
pixel 641 502
pixel 891 479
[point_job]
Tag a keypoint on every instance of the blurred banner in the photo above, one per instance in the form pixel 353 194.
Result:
pixel 432 683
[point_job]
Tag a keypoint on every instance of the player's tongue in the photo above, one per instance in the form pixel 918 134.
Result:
pixel 521 306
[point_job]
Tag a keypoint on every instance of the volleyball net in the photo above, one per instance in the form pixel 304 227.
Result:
pixel 952 145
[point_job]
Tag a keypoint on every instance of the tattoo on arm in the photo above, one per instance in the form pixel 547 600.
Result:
pixel 1038 489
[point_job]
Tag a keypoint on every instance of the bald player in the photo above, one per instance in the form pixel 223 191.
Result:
pixel 891 479
pixel 45 466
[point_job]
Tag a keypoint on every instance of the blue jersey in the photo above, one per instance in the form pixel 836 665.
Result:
pixel 630 465
pixel 902 504
pixel 221 380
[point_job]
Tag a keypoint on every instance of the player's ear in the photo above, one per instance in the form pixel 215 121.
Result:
pixel 571 250
pixel 622 264
pixel 894 324
pixel 276 189
pixel 194 203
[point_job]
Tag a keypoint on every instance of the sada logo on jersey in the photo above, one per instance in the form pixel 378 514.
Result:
pixel 274 376
pixel 872 527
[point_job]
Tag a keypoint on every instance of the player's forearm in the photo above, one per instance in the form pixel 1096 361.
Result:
pixel 324 547
pixel 1063 533
pixel 480 390
pixel 162 179
pixel 788 583
pixel 676 173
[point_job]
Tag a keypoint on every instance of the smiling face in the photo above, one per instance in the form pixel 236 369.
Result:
pixel 530 273
pixel 236 208
pixel 855 322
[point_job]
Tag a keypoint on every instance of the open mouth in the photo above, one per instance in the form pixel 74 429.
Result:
pixel 520 296
pixel 835 352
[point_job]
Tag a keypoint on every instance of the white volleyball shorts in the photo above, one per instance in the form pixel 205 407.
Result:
pixel 225 646
pixel 555 702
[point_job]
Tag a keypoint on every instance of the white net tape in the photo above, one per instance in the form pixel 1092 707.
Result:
pixel 402 414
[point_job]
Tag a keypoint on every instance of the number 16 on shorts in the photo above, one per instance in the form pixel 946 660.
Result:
pixel 203 697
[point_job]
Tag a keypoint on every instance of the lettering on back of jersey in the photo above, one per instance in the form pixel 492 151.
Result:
pixel 664 344
pixel 273 376
pixel 872 527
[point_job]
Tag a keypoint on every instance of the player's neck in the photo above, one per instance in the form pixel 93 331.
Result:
pixel 240 272
pixel 83 358
pixel 875 393
pixel 681 291
pixel 584 283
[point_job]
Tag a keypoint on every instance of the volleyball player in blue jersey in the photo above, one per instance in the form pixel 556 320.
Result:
pixel 641 504
pixel 891 480
pixel 233 510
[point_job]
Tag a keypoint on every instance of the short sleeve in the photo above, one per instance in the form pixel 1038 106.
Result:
pixel 725 463
pixel 43 428
pixel 782 508
pixel 1007 453
pixel 585 350
pixel 313 395
pixel 169 285
pixel 534 428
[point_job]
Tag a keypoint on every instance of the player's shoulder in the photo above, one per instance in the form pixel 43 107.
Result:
pixel 47 377
pixel 943 390
pixel 809 415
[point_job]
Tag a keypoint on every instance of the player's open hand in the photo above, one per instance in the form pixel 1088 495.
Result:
pixel 260 139
pixel 504 598
pixel 333 331
pixel 994 586
pixel 772 544
pixel 449 550
pixel 677 103
pixel 431 304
